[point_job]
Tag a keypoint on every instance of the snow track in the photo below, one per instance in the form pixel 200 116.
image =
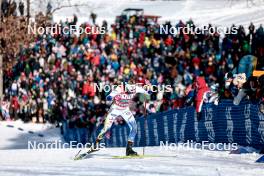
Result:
pixel 179 162
pixel 16 159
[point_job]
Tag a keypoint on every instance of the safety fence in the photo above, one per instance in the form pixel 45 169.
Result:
pixel 225 123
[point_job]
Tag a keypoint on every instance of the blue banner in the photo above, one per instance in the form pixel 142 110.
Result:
pixel 225 123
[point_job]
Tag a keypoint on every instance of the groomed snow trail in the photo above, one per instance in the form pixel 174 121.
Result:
pixel 179 162
pixel 16 159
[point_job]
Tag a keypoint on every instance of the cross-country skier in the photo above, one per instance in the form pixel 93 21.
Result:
pixel 121 99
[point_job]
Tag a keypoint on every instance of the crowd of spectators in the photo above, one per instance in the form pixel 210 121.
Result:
pixel 54 75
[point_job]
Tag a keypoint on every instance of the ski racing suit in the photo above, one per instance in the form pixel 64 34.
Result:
pixel 120 107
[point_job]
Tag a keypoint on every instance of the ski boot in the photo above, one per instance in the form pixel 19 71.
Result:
pixel 129 150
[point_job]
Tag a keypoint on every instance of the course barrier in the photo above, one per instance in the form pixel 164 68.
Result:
pixel 225 123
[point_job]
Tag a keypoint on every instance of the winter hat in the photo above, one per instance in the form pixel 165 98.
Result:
pixel 196 61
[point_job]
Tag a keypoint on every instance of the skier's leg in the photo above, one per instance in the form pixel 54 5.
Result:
pixel 107 125
pixel 131 122
pixel 132 127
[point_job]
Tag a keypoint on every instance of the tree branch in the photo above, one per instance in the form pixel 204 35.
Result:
pixel 68 6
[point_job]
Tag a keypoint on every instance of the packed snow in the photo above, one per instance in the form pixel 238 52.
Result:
pixel 193 162
pixel 16 159
pixel 16 134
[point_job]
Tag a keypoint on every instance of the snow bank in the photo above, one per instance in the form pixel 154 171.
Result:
pixel 16 134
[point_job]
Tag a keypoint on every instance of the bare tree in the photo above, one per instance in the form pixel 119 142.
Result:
pixel 60 4
pixel 18 35
pixel 28 10
pixel 68 6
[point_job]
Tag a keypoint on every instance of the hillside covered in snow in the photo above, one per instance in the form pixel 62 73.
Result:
pixel 220 13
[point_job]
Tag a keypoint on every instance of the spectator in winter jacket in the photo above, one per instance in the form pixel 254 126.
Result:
pixel 190 95
pixel 201 89
pixel 253 89
pixel 5 106
pixel 238 82
pixel 229 89
pixel 21 8
pixel 4 7
pixel 203 95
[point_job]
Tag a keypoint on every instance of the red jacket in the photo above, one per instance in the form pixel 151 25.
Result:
pixel 88 89
pixel 201 88
pixel 15 103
